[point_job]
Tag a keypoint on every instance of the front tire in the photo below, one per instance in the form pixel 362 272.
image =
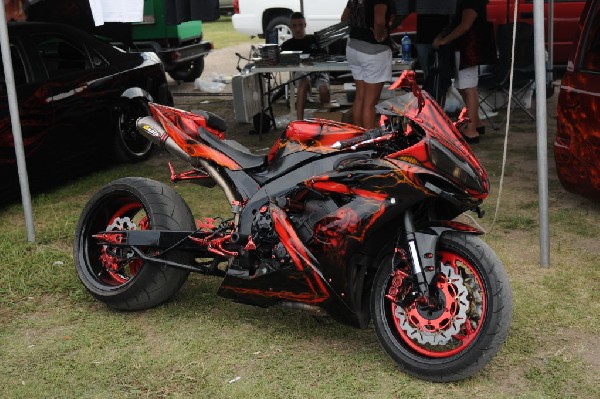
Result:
pixel 457 339
pixel 115 275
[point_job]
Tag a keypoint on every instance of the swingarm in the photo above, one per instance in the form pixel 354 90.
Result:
pixel 151 245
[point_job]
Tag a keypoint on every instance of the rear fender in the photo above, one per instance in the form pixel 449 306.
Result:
pixel 136 92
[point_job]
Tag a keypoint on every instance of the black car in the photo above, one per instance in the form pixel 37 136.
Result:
pixel 79 98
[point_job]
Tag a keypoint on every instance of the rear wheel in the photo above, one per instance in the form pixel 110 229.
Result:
pixel 129 145
pixel 188 71
pixel 116 275
pixel 457 336
pixel 279 26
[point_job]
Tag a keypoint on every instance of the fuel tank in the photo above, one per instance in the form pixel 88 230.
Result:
pixel 312 136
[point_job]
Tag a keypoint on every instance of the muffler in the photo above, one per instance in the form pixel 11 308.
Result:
pixel 154 132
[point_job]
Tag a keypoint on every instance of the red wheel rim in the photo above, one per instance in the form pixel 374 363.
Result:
pixel 114 271
pixel 446 332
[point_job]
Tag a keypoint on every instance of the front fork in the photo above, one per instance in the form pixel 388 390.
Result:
pixel 422 246
pixel 421 255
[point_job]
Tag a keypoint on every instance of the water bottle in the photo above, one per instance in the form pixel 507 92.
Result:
pixel 406 43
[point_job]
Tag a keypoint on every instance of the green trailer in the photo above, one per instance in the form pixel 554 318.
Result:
pixel 180 46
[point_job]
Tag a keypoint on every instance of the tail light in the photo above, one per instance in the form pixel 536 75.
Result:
pixel 236 6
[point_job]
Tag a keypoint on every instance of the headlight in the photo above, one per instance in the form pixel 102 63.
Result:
pixel 454 167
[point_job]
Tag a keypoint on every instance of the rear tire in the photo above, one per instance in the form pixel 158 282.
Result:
pixel 281 24
pixel 128 144
pixel 188 71
pixel 127 204
pixel 456 340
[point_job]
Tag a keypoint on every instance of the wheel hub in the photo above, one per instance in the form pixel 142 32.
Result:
pixel 113 257
pixel 437 325
pixel 432 311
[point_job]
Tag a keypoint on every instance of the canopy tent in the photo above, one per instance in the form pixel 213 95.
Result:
pixel 541 117
pixel 16 126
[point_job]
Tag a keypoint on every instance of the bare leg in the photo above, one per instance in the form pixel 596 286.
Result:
pixel 301 94
pixel 371 97
pixel 359 99
pixel 471 98
pixel 324 95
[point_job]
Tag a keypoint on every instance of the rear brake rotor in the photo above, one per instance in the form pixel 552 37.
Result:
pixel 111 262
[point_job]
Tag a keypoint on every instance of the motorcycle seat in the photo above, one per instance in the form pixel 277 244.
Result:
pixel 213 121
pixel 234 150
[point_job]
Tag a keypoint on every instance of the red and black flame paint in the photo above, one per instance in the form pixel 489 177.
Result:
pixel 182 127
pixel 304 283
pixel 425 112
pixel 577 143
pixel 363 193
pixel 367 192
pixel 314 135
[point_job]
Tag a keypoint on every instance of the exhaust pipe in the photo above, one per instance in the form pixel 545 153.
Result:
pixel 154 132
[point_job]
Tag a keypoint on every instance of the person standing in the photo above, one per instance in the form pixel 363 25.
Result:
pixel 369 55
pixel 463 31
pixel 300 41
pixel 428 27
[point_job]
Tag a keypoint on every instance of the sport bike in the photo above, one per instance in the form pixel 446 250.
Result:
pixel 355 222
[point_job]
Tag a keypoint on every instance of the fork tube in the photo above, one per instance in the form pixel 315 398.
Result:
pixel 417 268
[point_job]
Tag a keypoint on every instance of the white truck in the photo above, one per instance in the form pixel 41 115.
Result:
pixel 271 17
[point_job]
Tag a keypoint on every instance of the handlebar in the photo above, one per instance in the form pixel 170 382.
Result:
pixel 247 66
pixel 368 135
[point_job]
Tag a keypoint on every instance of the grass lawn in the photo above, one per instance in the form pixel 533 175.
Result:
pixel 56 341
pixel 222 34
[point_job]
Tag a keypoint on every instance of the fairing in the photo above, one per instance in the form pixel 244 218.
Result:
pixel 182 127
pixel 315 136
pixel 420 108
pixel 360 194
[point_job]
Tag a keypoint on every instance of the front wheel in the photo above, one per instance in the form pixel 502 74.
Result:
pixel 116 275
pixel 457 336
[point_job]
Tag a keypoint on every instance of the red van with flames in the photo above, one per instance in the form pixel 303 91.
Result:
pixel 577 144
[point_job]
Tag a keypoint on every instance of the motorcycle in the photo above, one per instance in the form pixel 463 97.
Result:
pixel 355 222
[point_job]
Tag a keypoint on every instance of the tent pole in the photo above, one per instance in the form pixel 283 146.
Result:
pixel 551 39
pixel 16 125
pixel 541 127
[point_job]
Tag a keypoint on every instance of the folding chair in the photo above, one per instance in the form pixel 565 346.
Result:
pixel 524 68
